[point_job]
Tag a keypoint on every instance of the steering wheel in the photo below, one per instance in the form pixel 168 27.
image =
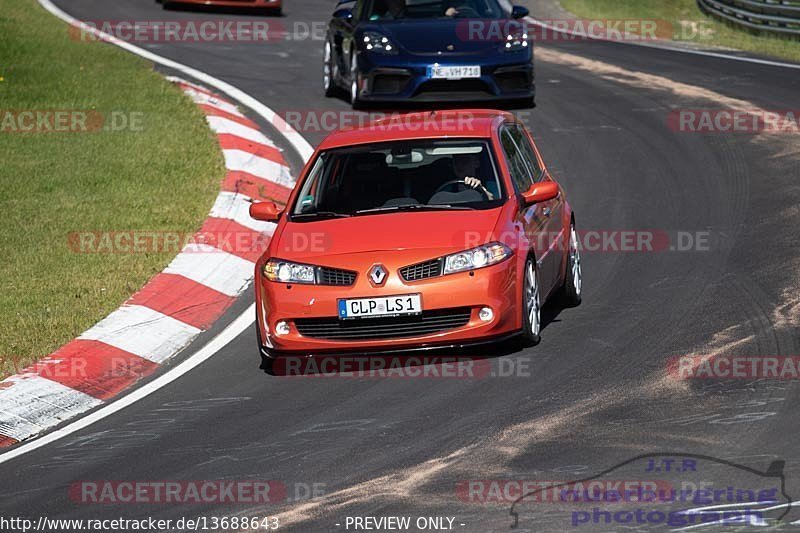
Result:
pixel 467 12
pixel 483 190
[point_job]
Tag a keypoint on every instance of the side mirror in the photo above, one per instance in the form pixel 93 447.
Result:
pixel 266 211
pixel 517 12
pixel 540 192
pixel 343 14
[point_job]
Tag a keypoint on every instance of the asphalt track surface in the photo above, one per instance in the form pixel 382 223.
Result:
pixel 591 395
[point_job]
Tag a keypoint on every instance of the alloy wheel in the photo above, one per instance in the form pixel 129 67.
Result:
pixel 532 302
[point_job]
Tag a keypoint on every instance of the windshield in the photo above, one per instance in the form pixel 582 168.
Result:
pixel 401 175
pixel 430 9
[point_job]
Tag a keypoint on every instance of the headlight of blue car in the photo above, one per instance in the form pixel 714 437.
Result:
pixel 375 42
pixel 516 41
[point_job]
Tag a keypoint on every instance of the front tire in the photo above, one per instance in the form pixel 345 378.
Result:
pixel 573 278
pixel 355 101
pixel 328 73
pixel 531 304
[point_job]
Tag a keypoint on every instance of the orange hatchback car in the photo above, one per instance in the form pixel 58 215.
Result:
pixel 419 231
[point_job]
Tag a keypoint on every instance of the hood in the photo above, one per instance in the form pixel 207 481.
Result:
pixel 451 37
pixel 432 232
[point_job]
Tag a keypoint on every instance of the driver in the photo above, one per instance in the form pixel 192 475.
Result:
pixel 394 8
pixel 466 168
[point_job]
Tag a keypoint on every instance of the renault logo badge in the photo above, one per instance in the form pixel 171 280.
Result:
pixel 377 275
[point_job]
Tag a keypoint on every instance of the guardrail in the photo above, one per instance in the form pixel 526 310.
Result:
pixel 774 16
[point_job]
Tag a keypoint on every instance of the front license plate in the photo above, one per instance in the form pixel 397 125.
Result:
pixel 454 72
pixel 406 304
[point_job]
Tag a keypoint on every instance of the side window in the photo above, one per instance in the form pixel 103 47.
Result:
pixel 520 174
pixel 521 138
pixel 306 200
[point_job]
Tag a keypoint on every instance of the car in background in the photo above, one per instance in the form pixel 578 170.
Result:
pixel 269 7
pixel 435 229
pixel 429 50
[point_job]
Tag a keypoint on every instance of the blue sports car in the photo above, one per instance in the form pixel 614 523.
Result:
pixel 428 50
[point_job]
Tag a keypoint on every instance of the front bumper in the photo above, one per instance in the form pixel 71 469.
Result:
pixel 408 350
pixel 389 79
pixel 466 292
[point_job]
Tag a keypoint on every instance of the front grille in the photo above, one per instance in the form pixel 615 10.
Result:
pixel 427 323
pixel 428 269
pixel 335 276
pixel 389 83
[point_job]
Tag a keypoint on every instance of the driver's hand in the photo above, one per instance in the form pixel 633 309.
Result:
pixel 451 12
pixel 474 183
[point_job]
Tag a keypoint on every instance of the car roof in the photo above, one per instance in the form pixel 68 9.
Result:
pixel 472 123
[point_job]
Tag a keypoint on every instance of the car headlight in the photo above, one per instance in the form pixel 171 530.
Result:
pixel 488 254
pixel 516 41
pixel 288 272
pixel 375 42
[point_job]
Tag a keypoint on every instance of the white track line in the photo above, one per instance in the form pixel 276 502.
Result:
pixel 718 55
pixel 242 323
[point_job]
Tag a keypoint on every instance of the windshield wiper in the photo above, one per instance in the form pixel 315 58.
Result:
pixel 413 207
pixel 320 214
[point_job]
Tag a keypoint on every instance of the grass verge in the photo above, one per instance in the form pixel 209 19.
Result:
pixel 159 171
pixel 690 23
